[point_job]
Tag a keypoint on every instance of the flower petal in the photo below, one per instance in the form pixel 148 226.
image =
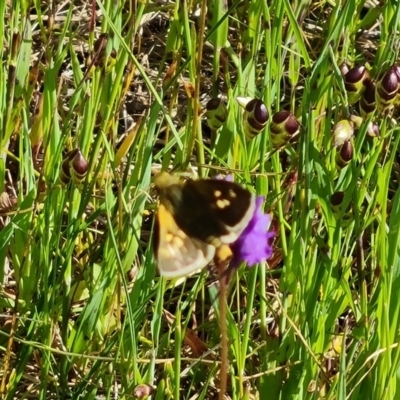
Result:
pixel 255 243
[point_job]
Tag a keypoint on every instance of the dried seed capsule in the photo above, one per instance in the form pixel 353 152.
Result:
pixel 216 113
pixel 342 132
pixel 345 154
pixel 284 126
pixel 354 82
pixel 368 101
pixel 386 89
pixel 255 116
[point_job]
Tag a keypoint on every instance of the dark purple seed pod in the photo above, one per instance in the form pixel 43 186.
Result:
pixel 278 121
pixel 255 117
pixel 389 82
pixel 257 111
pixel 216 113
pixel 396 70
pixel 337 199
pixel 336 204
pixel 71 154
pixel 368 99
pixel 284 126
pixel 387 89
pixel 356 75
pixel 345 154
pixel 79 166
pixel 354 82
pixel 213 104
pixel 65 174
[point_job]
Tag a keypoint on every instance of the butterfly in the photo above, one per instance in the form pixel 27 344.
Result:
pixel 195 219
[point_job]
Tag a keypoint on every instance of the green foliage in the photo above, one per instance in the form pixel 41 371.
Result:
pixel 84 311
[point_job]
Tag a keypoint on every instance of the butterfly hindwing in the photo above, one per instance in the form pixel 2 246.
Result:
pixel 178 254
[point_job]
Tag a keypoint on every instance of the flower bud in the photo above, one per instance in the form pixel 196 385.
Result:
pixel 342 132
pixel 387 88
pixel 216 113
pixel 356 120
pixel 143 391
pixel 367 101
pixel 284 126
pixel 255 116
pixel 373 129
pixel 344 68
pixel 345 154
pixel 354 82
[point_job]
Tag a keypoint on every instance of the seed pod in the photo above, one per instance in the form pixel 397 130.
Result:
pixel 354 82
pixel 74 166
pixel 65 174
pixel 216 113
pixel 344 154
pixel 367 101
pixel 78 167
pixel 342 132
pixel 255 116
pixel 336 204
pixel 284 126
pixel 387 89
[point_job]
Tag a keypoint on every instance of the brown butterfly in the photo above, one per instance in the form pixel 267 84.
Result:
pixel 195 219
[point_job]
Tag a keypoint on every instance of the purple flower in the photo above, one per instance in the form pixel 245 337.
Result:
pixel 254 245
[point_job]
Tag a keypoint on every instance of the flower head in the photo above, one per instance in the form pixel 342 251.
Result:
pixel 254 245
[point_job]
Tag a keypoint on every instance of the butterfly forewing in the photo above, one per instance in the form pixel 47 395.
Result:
pixel 214 210
pixel 178 254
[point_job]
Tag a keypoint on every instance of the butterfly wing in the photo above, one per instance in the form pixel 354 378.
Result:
pixel 176 253
pixel 214 211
